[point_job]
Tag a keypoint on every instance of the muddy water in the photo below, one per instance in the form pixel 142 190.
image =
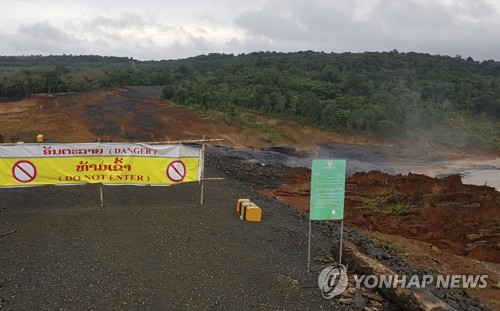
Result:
pixel 359 158
pixel 475 172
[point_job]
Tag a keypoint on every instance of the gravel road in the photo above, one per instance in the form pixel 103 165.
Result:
pixel 154 248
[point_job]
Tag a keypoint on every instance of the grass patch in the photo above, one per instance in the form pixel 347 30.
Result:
pixel 391 197
pixel 396 248
pixel 371 204
pixel 401 209
pixel 399 250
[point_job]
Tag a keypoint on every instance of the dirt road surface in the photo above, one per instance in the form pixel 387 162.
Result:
pixel 153 248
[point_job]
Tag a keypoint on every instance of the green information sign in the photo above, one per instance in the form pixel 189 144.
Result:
pixel 327 190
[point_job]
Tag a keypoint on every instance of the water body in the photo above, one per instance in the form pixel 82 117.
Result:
pixel 473 172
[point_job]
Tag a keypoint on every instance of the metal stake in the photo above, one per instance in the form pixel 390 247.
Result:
pixel 309 249
pixel 341 237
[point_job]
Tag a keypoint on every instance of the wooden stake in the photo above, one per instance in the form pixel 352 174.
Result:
pixel 182 141
pixel 147 142
pixel 7 233
pixel 202 170
pixel 101 195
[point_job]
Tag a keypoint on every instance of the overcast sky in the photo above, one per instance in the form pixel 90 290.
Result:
pixel 165 29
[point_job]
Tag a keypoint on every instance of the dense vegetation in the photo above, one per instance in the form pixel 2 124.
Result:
pixel 455 99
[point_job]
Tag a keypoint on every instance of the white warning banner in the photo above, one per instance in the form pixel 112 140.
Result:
pixel 107 163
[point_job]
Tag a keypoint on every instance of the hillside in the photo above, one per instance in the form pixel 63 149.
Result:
pixel 139 114
pixel 447 100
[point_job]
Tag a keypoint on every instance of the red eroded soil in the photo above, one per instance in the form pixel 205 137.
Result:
pixel 139 114
pixel 457 218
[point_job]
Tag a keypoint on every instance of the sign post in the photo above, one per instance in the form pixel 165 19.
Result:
pixel 327 196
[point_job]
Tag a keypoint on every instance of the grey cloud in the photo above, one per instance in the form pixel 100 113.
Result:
pixel 125 21
pixel 297 20
pixel 477 10
pixel 410 15
pixel 272 24
pixel 407 25
pixel 466 27
pixel 45 31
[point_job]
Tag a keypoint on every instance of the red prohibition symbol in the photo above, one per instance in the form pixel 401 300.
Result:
pixel 176 171
pixel 24 171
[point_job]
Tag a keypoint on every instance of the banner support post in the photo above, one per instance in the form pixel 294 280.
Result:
pixel 101 194
pixel 202 170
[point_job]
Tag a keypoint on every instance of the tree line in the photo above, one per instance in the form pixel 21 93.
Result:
pixel 365 93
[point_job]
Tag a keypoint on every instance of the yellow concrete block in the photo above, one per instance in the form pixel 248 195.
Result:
pixel 239 205
pixel 254 213
pixel 251 212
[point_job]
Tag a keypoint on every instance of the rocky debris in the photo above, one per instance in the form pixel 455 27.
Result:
pixel 360 159
pixel 258 175
pixel 250 156
pixel 288 156
pixel 281 148
pixel 406 298
pixel 383 255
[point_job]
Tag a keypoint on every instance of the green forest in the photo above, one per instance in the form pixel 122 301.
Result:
pixel 453 100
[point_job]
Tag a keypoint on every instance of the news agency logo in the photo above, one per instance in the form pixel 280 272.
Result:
pixel 417 281
pixel 332 281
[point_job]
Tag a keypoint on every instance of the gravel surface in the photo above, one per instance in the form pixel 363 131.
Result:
pixel 154 248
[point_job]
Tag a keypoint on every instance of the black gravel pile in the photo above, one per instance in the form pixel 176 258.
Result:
pixel 258 175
